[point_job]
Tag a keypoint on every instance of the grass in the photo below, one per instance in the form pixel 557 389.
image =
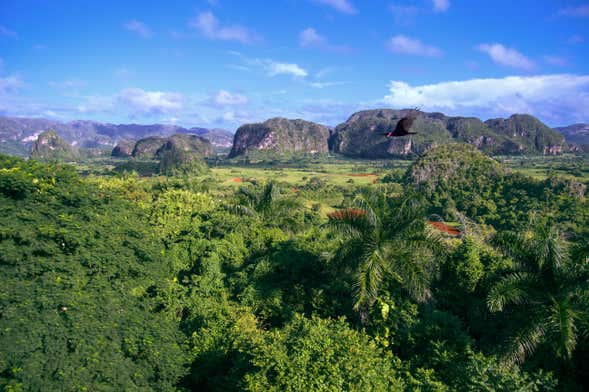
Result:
pixel 541 167
pixel 338 173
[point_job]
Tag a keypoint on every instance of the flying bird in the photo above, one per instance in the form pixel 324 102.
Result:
pixel 403 126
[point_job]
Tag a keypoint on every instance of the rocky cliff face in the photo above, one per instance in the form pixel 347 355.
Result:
pixel 49 146
pixel 123 149
pixel 576 136
pixel 362 135
pixel 148 147
pixel 280 136
pixel 529 134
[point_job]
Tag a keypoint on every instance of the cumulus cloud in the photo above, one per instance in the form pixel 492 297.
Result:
pixel 339 5
pixel 556 98
pixel 150 102
pixel 225 98
pixel 138 28
pixel 402 44
pixel 506 56
pixel 310 38
pixel 581 11
pixel 210 27
pixel 441 5
pixel 6 32
pixel 273 68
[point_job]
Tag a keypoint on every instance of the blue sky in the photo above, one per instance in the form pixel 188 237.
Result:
pixel 221 63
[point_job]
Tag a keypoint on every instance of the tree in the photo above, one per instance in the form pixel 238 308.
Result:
pixel 82 278
pixel 266 204
pixel 319 355
pixel 381 239
pixel 546 289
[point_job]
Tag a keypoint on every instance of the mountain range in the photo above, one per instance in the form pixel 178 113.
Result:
pixel 360 136
pixel 363 135
pixel 17 134
pixel 576 134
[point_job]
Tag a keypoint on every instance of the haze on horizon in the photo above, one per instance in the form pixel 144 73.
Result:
pixel 221 63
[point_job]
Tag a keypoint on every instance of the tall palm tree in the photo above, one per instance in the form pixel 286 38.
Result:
pixel 548 287
pixel 380 240
pixel 267 204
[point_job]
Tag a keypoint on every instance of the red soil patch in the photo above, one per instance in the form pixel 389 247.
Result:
pixel 348 213
pixel 361 174
pixel 238 179
pixel 445 228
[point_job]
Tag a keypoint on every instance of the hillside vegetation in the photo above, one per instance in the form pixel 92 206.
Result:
pixel 453 272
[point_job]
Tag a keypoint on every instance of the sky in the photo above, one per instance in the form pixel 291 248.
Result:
pixel 221 63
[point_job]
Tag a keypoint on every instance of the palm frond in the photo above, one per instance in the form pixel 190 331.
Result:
pixel 524 343
pixel 561 324
pixel 512 289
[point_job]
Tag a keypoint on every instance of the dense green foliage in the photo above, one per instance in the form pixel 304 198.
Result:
pixel 180 282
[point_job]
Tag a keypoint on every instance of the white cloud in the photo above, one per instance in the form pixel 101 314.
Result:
pixel 556 98
pixel 581 11
pixel 441 5
pixel 327 84
pixel 209 26
pixel 340 5
pixel 267 66
pixel 273 68
pixel 506 56
pixel 556 61
pixel 310 38
pixel 402 44
pixel 10 84
pixel 225 98
pixel 138 28
pixel 151 102
pixel 6 32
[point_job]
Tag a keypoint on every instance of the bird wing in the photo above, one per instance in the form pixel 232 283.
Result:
pixel 408 122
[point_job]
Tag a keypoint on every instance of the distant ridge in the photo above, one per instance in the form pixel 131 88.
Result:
pixel 576 135
pixel 20 133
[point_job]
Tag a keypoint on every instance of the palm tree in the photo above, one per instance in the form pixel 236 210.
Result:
pixel 266 204
pixel 547 287
pixel 379 241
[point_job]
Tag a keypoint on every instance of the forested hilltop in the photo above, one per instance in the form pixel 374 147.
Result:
pixel 454 272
